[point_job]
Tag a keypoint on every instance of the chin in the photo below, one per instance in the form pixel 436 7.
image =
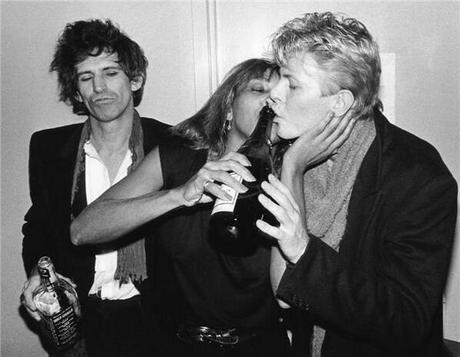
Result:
pixel 286 135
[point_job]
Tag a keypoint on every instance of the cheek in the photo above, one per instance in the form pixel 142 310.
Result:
pixel 245 123
pixel 82 93
pixel 307 114
pixel 244 116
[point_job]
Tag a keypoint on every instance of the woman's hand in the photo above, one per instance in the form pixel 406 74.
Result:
pixel 205 183
pixel 291 234
pixel 319 143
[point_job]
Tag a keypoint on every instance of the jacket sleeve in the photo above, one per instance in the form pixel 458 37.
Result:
pixel 35 242
pixel 395 297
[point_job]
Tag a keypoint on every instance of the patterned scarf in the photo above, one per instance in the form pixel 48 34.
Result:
pixel 131 262
pixel 327 193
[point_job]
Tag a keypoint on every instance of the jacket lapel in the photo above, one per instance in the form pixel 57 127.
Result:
pixel 63 172
pixel 366 196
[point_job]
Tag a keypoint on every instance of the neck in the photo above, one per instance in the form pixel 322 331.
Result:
pixel 234 141
pixel 111 136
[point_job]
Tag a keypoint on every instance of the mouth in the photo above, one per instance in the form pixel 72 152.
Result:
pixel 103 100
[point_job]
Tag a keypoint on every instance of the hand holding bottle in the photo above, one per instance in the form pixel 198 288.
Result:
pixel 232 228
pixel 27 291
pixel 201 188
pixel 57 303
pixel 291 233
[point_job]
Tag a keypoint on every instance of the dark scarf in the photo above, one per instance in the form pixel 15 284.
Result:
pixel 131 261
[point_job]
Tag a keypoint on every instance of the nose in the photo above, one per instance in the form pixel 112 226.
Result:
pixel 276 93
pixel 99 84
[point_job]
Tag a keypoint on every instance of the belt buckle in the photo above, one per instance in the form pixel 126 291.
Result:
pixel 223 337
pixel 200 334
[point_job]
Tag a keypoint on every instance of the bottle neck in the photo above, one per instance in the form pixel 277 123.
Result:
pixel 259 144
pixel 47 272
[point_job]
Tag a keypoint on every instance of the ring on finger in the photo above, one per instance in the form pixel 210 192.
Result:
pixel 206 183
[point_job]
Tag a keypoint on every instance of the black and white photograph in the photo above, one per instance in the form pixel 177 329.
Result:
pixel 230 178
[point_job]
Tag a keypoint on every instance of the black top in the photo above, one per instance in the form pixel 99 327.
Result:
pixel 197 284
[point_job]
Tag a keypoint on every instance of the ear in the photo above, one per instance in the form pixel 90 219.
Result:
pixel 343 101
pixel 136 83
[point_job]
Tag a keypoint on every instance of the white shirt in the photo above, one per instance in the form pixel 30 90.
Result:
pixel 97 181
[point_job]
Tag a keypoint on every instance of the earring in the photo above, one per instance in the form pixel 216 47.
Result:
pixel 228 122
pixel 228 125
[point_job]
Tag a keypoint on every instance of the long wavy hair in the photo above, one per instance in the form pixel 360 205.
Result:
pixel 206 129
pixel 82 39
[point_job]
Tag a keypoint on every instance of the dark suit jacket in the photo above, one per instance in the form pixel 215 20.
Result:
pixel 47 223
pixel 381 294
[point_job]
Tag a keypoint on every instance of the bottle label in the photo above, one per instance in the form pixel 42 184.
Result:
pixel 63 326
pixel 224 205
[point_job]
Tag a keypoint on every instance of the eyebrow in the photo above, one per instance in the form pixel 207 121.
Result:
pixel 287 75
pixel 290 76
pixel 257 80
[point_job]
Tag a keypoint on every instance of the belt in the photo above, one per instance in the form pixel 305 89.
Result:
pixel 218 336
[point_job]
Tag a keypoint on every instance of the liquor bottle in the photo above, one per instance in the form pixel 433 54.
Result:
pixel 232 227
pixel 57 303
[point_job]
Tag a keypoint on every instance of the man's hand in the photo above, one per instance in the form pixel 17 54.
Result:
pixel 319 143
pixel 291 234
pixel 29 286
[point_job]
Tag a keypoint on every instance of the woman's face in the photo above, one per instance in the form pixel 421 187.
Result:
pixel 248 103
pixel 298 102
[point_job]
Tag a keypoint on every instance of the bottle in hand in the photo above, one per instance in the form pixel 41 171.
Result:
pixel 58 305
pixel 233 228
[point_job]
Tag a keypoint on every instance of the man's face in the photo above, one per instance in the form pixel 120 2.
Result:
pixel 248 103
pixel 299 104
pixel 104 88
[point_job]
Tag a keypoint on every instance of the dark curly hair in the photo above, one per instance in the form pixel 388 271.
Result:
pixel 82 39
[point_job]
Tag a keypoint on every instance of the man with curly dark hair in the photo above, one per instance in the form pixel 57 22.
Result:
pixel 101 74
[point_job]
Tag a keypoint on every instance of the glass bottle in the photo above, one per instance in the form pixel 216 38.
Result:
pixel 57 303
pixel 232 223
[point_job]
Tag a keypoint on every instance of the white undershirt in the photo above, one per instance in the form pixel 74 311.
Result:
pixel 97 181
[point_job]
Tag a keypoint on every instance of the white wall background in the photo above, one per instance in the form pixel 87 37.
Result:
pixel 190 46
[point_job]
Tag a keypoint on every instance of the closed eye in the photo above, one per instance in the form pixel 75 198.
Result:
pixel 84 78
pixel 112 73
